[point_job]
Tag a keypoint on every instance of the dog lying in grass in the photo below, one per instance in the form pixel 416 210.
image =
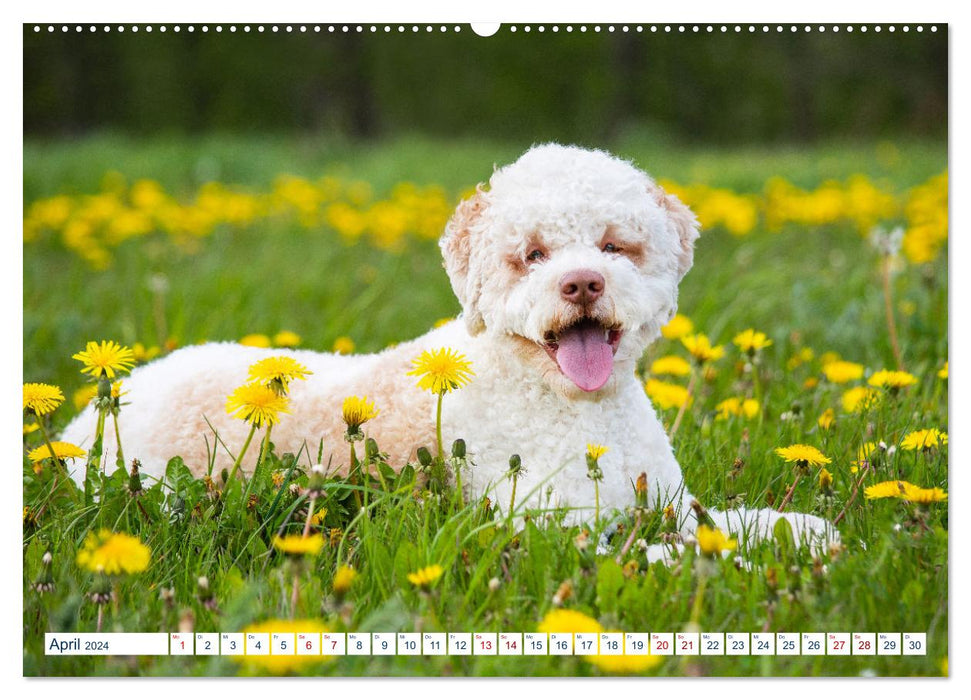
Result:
pixel 566 266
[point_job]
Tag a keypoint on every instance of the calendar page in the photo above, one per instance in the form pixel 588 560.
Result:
pixel 472 350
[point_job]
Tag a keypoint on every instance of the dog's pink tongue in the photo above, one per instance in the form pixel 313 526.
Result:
pixel 584 356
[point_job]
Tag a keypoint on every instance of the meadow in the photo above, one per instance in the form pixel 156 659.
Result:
pixel 331 245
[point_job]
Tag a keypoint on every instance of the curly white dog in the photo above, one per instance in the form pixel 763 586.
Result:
pixel 566 267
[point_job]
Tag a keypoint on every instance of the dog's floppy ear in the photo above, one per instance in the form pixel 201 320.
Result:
pixel 681 222
pixel 456 244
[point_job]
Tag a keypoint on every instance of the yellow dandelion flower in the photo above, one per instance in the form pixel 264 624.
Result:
pixel 256 404
pixel 113 553
pixel 864 454
pixel 677 327
pixel 942 373
pixel 827 419
pixel 595 451
pixel 357 411
pixel 803 454
pixel 737 406
pixel 143 354
pixel 810 383
pixel 441 370
pixel 282 664
pixel 701 348
pixel 256 340
pixel 671 364
pixel 905 491
pixel 841 371
pixel 713 542
pixel 886 489
pixel 568 622
pixel 343 579
pixel 62 450
pixel 277 371
pixel 916 494
pixel 924 439
pixel 82 397
pixel 343 345
pixel 800 358
pixel 828 357
pixel 425 578
pixel 42 399
pixel 297 545
pixel 751 341
pixel 825 479
pixel 573 621
pixel 318 517
pixel 666 395
pixel 287 339
pixel 891 379
pixel 106 359
pixel 860 398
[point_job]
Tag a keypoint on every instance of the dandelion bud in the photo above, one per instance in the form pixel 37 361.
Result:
pixel 631 568
pixel 515 464
pixel 494 584
pixel 640 491
pixel 168 596
pixel 424 457
pixel 371 449
pixel 825 480
pixel 187 622
pixel 224 475
pixel 702 515
pixel 343 579
pixel 45 582
pixel 134 480
pixel 458 449
pixel 563 593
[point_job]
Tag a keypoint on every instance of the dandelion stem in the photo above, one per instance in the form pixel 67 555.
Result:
pixel 596 501
pixel 294 595
pixel 888 305
pixel 788 496
pixel 699 599
pixel 438 426
pixel 265 446
pixel 856 488
pixel 310 514
pixel 684 405
pixel 242 453
pixel 757 387
pixel 354 473
pixel 121 453
pixel 630 539
pixel 101 616
pixel 512 499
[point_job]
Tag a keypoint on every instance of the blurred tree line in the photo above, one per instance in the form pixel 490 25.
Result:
pixel 569 86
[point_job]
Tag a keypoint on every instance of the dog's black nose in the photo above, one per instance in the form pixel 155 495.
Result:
pixel 581 286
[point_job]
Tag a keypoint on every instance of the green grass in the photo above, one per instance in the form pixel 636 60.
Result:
pixel 818 288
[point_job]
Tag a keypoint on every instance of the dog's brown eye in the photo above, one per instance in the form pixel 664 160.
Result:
pixel 535 255
pixel 611 248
